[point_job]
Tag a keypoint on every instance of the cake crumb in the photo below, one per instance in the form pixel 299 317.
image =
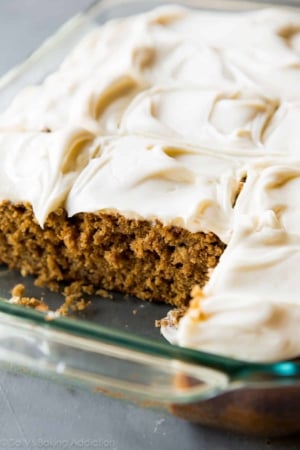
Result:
pixel 172 318
pixel 18 290
pixel 104 293
pixel 19 298
pixel 73 303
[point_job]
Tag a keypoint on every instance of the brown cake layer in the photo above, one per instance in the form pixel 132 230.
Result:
pixel 100 250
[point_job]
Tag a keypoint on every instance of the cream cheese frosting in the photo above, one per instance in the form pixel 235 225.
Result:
pixel 250 307
pixel 163 116
pixel 183 186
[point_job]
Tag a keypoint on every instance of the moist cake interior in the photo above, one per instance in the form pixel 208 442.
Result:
pixel 150 261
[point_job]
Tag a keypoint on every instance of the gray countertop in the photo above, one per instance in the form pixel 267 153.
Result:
pixel 36 413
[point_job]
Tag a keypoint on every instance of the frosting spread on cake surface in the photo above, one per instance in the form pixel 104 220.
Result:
pixel 163 116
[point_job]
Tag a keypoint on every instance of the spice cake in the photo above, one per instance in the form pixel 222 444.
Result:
pixel 163 141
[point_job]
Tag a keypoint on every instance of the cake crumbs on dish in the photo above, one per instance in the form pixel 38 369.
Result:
pixel 73 303
pixel 19 298
pixel 104 294
pixel 172 318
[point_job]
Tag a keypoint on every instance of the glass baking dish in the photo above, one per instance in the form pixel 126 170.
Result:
pixel 113 347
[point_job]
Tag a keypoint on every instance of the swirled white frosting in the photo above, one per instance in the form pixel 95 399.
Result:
pixel 160 116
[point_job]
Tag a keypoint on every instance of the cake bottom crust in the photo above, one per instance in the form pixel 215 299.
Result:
pixel 106 250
